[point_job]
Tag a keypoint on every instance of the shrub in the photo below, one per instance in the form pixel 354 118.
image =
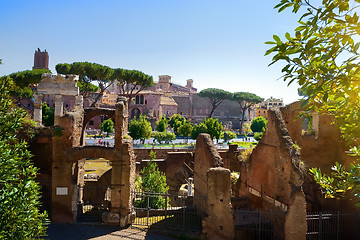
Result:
pixel 153 181
pixel 163 136
pixel 258 135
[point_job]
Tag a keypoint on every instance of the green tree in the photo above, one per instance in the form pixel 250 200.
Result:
pixel 25 85
pixel 227 135
pixel 185 129
pixel 177 125
pixel 20 217
pixel 174 118
pixel 258 124
pixel 163 137
pixel 161 125
pixel 210 126
pixel 197 129
pixel 214 128
pixel 89 72
pixel 246 100
pixel 322 56
pixel 140 129
pixel 47 115
pixel 107 126
pixel 258 135
pixel 153 181
pixel 215 96
pixel 246 130
pixel 131 82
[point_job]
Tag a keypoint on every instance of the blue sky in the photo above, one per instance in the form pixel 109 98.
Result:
pixel 218 44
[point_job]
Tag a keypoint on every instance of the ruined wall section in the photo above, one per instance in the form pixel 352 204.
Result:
pixel 273 179
pixel 324 146
pixel 206 157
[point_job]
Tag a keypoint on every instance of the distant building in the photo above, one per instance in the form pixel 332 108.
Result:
pixel 262 108
pixel 41 59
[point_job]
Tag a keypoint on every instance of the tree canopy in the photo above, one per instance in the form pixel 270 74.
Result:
pixel 20 217
pixel 140 129
pixel 25 84
pixel 185 129
pixel 107 126
pixel 322 56
pixel 215 96
pixel 161 125
pixel 131 82
pixel 210 126
pixel 258 124
pixel 246 100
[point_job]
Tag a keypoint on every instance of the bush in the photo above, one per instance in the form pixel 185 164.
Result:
pixel 47 115
pixel 258 124
pixel 140 129
pixel 162 124
pixel 227 135
pixel 107 126
pixel 258 135
pixel 164 136
pixel 20 217
pixel 153 181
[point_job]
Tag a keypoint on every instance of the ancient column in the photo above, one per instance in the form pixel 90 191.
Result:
pixel 38 108
pixel 58 109
pixel 121 119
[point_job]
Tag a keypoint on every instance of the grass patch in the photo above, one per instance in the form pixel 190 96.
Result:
pixel 97 165
pixel 243 144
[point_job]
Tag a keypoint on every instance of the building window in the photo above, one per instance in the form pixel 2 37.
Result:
pixel 67 105
pixel 145 101
pixel 91 123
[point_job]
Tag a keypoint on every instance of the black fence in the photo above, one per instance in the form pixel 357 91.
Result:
pixel 166 211
pixel 256 225
pixel 333 226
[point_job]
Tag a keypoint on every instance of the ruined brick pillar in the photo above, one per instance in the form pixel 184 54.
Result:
pixel 79 102
pixel 295 220
pixel 121 120
pixel 38 108
pixel 123 171
pixel 206 156
pixel 220 221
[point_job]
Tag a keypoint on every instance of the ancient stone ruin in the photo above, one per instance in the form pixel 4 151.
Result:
pixel 69 152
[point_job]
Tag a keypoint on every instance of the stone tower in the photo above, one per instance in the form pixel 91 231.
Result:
pixel 41 59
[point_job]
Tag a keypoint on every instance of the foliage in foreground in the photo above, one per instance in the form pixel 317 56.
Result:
pixel 322 56
pixel 153 181
pixel 19 193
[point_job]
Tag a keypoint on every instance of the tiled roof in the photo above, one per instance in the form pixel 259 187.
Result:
pixel 167 101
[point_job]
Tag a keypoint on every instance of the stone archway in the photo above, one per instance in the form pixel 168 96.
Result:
pixel 67 150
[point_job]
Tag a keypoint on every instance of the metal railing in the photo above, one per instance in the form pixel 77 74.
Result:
pixel 333 225
pixel 167 211
pixel 255 225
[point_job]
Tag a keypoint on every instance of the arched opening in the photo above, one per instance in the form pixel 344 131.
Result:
pixel 92 133
pixel 135 113
pixel 94 188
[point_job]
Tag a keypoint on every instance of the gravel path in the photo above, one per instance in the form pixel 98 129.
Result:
pixel 62 231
